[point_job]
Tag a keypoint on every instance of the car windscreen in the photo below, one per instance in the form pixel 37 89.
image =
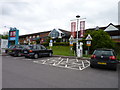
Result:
pixel 12 46
pixel 103 53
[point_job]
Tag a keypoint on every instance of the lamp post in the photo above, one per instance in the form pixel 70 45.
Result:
pixel 78 46
pixel 77 35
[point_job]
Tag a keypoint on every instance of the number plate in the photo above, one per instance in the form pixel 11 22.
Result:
pixel 102 63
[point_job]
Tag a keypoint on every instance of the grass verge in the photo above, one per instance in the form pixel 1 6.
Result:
pixel 62 50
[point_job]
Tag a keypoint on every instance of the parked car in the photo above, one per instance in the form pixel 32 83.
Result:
pixel 36 51
pixel 105 58
pixel 7 49
pixel 15 50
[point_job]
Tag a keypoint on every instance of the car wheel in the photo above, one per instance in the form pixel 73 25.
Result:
pixel 50 54
pixel 91 66
pixel 26 57
pixel 36 56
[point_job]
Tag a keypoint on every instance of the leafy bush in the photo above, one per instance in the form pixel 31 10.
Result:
pixel 61 44
pixel 101 39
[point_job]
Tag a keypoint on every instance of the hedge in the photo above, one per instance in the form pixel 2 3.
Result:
pixel 57 44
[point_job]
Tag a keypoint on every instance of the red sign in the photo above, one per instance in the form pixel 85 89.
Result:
pixel 73 29
pixel 12 33
pixel 82 28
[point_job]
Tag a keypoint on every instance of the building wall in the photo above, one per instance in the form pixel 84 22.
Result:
pixel 43 36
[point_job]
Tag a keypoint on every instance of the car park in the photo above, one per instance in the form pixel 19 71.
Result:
pixel 104 58
pixel 15 50
pixel 36 51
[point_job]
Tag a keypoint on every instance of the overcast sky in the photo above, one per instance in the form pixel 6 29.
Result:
pixel 32 16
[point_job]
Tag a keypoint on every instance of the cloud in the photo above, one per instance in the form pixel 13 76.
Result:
pixel 31 16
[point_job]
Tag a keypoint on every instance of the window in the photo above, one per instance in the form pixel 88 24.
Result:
pixel 34 47
pixel 103 52
pixel 37 36
pixel 33 36
pixel 38 47
pixel 42 47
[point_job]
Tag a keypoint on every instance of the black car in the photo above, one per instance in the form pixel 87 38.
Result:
pixel 15 50
pixel 7 49
pixel 36 51
pixel 105 58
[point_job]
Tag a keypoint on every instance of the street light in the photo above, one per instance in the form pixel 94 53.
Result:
pixel 78 49
pixel 77 35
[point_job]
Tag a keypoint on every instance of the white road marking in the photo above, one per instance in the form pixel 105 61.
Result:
pixel 27 59
pixel 65 63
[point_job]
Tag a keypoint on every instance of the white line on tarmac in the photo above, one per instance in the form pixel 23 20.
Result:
pixel 59 62
pixel 27 59
pixel 66 66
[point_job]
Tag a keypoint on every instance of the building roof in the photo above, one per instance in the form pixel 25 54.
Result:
pixel 39 33
pixel 103 28
pixel 45 33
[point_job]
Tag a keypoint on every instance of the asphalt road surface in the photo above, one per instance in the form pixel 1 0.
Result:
pixel 18 72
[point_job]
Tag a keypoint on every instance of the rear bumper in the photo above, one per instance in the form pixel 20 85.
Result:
pixel 108 63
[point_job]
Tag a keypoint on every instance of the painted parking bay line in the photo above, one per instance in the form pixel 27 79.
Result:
pixel 27 59
pixel 65 63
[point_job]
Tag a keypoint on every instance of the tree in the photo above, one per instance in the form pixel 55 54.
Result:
pixel 4 35
pixel 101 39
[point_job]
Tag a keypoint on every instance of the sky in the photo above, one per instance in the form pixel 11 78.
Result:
pixel 32 16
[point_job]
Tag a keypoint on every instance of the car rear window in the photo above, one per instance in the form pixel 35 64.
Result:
pixel 103 52
pixel 29 47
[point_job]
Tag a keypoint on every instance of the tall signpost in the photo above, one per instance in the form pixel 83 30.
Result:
pixel 77 46
pixel 13 37
pixel 51 44
pixel 88 41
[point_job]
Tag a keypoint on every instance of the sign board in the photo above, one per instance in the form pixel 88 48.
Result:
pixel 12 38
pixel 51 41
pixel 88 37
pixel 73 29
pixel 71 43
pixel 88 43
pixel 4 43
pixel 71 38
pixel 50 44
pixel 82 28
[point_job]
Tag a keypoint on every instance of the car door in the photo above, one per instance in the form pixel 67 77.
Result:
pixel 39 50
pixel 44 50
